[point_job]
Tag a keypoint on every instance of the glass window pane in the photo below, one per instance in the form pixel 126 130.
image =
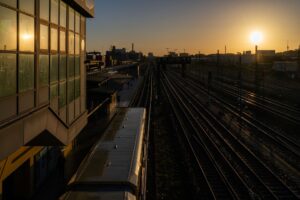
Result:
pixel 77 23
pixel 54 39
pixel 26 72
pixel 54 11
pixel 27 6
pixel 12 3
pixel 53 91
pixel 7 74
pixel 62 94
pixel 71 66
pixel 77 88
pixel 82 26
pixel 26 26
pixel 77 46
pixel 71 43
pixel 63 67
pixel 77 66
pixel 62 41
pixel 44 37
pixel 44 70
pixel 8 29
pixel 44 9
pixel 63 14
pixel 54 68
pixel 71 19
pixel 70 90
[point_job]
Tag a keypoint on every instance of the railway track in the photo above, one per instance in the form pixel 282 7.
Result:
pixel 276 137
pixel 242 173
pixel 276 108
pixel 143 98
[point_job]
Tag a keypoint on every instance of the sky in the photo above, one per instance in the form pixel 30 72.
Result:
pixel 193 25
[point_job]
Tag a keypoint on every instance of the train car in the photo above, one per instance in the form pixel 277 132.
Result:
pixel 114 169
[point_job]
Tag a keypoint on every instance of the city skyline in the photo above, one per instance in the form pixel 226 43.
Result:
pixel 194 26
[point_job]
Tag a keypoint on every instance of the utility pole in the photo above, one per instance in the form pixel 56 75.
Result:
pixel 218 64
pixel 256 69
pixel 199 71
pixel 240 89
pixel 299 58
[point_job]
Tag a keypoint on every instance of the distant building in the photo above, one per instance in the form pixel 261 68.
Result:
pixel 94 61
pixel 183 54
pixel 119 56
pixel 150 55
pixel 266 56
pixel 172 54
pixel 248 58
pixel 286 67
pixel 266 52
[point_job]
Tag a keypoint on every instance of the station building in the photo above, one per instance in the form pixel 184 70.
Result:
pixel 42 88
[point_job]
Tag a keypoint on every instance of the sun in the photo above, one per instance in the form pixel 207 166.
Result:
pixel 256 37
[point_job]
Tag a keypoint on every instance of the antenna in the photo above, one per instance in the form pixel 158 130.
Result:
pixel 287 46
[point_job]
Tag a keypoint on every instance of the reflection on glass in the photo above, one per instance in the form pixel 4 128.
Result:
pixel 8 29
pixel 82 45
pixel 27 6
pixel 62 41
pixel 77 88
pixel 62 67
pixel 77 66
pixel 44 9
pixel 71 19
pixel 70 90
pixel 26 26
pixel 12 3
pixel 71 66
pixel 54 11
pixel 77 23
pixel 44 70
pixel 62 94
pixel 63 14
pixel 44 37
pixel 26 72
pixel 54 68
pixel 7 74
pixel 54 39
pixel 71 43
pixel 53 91
pixel 82 26
pixel 77 46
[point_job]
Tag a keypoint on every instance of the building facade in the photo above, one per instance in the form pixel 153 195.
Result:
pixel 42 83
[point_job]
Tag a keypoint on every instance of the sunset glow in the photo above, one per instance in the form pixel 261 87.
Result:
pixel 256 37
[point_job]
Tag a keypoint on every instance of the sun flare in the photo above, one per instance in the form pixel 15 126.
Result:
pixel 256 37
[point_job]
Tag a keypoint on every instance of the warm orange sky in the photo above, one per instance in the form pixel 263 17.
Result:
pixel 194 25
